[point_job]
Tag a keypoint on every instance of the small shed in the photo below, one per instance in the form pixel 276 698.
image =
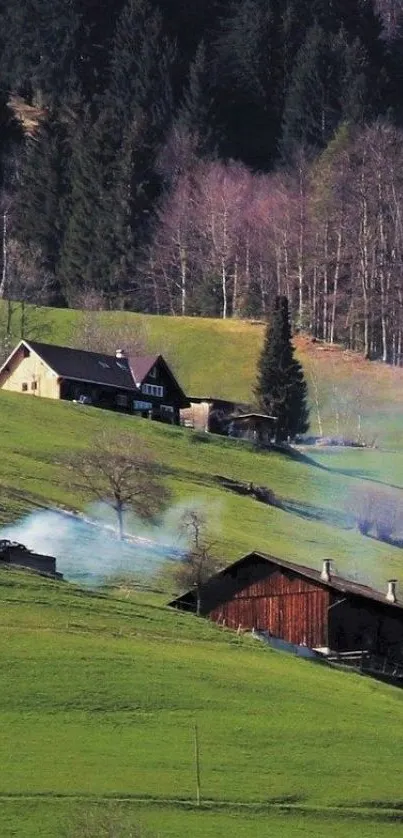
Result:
pixel 17 555
pixel 256 427
pixel 206 413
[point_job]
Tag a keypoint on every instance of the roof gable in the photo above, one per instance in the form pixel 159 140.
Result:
pixel 141 366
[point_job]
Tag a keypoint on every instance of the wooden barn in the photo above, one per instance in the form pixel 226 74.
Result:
pixel 303 606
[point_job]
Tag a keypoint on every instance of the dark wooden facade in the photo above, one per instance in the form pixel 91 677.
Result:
pixel 295 604
pixel 16 555
pixel 158 396
pixel 253 427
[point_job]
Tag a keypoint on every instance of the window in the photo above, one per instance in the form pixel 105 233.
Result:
pixel 24 387
pixel 153 390
pixel 34 385
pixel 121 400
pixel 143 406
pixel 153 372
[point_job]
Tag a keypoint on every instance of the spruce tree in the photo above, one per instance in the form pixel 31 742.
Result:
pixel 281 389
pixel 248 82
pixel 37 215
pixel 79 254
pixel 312 105
pixel 195 112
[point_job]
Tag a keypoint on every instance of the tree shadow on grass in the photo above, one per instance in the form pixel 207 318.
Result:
pixel 359 473
pixel 391 541
pixel 335 518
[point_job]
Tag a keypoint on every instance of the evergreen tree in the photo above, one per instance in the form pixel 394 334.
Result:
pixel 93 43
pixel 195 113
pixel 312 105
pixel 248 81
pixel 141 65
pixel 281 388
pixel 39 56
pixel 79 255
pixel 41 185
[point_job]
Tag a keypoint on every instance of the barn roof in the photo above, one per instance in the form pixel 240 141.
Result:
pixel 336 583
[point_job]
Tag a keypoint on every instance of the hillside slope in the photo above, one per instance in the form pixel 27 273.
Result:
pixel 316 491
pixel 349 395
pixel 99 704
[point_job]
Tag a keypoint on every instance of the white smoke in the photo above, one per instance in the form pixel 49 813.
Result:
pixel 87 549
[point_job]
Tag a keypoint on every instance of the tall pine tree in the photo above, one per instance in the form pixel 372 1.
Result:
pixel 281 389
pixel 195 112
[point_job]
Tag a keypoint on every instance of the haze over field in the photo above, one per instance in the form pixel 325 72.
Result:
pixel 87 547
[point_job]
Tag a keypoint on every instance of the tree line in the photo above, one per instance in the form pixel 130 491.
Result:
pixel 202 160
pixel 327 234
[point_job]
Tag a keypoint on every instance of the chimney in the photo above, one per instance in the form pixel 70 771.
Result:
pixel 391 592
pixel 325 572
pixel 120 353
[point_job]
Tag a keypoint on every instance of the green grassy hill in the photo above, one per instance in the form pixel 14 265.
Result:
pixel 98 701
pixel 349 395
pixel 99 695
pixel 316 490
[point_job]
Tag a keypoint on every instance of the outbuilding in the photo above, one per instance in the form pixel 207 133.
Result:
pixel 303 606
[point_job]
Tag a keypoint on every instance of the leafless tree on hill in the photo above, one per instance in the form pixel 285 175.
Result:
pixel 200 561
pixel 100 331
pixel 120 470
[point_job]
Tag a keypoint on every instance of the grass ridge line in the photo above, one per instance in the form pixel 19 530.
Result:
pixel 384 813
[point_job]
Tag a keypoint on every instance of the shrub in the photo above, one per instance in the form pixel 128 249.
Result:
pixel 377 511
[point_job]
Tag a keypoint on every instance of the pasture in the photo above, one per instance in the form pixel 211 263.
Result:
pixel 349 395
pixel 98 703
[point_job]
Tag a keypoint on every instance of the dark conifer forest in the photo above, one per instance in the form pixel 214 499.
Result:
pixel 202 158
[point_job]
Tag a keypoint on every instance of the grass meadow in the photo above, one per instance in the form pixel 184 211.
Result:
pixel 100 694
pixel 316 489
pixel 98 704
pixel 349 395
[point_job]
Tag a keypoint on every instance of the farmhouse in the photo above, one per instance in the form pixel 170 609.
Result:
pixel 143 385
pixel 303 606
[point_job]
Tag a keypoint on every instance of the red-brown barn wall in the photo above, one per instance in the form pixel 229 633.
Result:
pixel 286 605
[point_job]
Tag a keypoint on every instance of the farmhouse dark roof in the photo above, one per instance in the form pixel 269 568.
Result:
pixel 123 373
pixel 81 365
pixel 337 583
